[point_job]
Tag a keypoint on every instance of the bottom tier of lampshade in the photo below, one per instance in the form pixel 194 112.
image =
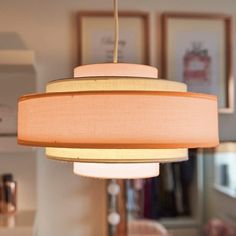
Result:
pixel 117 171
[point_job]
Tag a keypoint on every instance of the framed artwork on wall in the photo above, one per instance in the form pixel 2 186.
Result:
pixel 96 37
pixel 197 50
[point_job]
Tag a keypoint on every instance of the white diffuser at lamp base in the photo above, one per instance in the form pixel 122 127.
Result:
pixel 117 170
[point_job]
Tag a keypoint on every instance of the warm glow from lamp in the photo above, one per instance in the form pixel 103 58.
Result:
pixel 117 155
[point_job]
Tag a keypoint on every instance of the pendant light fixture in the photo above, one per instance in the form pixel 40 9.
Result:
pixel 117 120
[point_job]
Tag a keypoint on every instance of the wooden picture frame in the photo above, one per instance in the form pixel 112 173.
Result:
pixel 209 57
pixel 134 37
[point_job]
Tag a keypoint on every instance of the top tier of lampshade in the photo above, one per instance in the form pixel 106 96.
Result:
pixel 117 113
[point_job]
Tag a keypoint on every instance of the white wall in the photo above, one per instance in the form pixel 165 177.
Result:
pixel 70 205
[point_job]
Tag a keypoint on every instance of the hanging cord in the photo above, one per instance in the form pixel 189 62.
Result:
pixel 116 43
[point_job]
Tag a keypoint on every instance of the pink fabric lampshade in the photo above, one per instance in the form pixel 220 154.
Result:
pixel 118 119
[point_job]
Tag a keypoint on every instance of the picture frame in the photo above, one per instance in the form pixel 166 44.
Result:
pixel 197 50
pixel 96 37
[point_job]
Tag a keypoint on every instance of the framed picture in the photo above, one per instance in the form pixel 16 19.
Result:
pixel 197 50
pixel 96 37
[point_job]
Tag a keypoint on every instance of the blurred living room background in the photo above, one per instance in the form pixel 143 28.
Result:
pixel 44 40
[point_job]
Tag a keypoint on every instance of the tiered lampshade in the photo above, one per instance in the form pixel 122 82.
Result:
pixel 117 113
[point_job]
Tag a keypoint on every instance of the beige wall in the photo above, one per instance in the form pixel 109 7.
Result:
pixel 70 205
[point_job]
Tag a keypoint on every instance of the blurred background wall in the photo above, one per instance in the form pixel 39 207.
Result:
pixel 68 204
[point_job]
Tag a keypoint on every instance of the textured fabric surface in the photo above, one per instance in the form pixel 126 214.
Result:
pixel 118 120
